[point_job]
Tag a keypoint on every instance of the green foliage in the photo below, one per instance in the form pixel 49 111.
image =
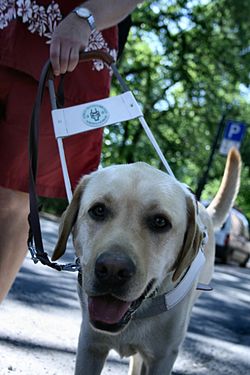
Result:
pixel 54 206
pixel 184 63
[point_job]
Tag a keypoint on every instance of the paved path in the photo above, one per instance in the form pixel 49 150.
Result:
pixel 40 319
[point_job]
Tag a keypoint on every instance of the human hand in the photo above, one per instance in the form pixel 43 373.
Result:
pixel 69 38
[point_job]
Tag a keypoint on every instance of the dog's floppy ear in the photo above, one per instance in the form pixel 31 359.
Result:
pixel 192 239
pixel 68 220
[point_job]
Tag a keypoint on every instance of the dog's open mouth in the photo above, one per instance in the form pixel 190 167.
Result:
pixel 108 313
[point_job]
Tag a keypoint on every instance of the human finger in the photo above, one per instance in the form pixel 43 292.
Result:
pixel 64 58
pixel 55 56
pixel 74 58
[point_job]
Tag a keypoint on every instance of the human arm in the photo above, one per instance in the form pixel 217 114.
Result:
pixel 72 34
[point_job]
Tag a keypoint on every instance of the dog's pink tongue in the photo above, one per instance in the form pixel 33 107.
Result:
pixel 107 309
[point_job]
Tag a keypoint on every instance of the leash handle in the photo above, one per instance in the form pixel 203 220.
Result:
pixel 96 55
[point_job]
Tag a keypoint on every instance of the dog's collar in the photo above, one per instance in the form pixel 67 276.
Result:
pixel 167 301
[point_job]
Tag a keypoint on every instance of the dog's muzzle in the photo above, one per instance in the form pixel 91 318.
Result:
pixel 113 276
pixel 110 314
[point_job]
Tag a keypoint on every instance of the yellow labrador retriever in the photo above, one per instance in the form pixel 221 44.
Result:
pixel 144 244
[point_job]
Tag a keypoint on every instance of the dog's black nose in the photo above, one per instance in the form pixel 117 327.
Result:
pixel 114 268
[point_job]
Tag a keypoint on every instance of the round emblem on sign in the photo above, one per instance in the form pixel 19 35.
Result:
pixel 95 115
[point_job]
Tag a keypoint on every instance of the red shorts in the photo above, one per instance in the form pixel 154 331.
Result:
pixel 17 95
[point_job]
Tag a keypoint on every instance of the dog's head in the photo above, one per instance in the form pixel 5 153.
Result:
pixel 132 226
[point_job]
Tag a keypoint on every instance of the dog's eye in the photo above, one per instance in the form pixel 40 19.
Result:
pixel 159 223
pixel 98 211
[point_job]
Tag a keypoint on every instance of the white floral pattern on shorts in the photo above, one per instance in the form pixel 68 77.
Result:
pixel 43 21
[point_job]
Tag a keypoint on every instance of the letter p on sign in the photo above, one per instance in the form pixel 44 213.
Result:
pixel 234 131
pixel 233 136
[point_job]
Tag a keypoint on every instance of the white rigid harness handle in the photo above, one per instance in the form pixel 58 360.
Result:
pixel 94 115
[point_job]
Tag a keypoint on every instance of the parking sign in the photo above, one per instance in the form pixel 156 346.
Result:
pixel 233 136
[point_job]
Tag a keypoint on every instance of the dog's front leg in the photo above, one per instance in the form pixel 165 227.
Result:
pixel 161 366
pixel 153 367
pixel 135 365
pixel 90 359
pixel 160 363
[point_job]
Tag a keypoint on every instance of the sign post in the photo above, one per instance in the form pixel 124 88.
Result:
pixel 233 136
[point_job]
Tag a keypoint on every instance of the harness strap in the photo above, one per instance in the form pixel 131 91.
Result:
pixel 167 301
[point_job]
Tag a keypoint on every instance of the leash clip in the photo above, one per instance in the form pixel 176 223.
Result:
pixel 32 251
pixel 72 267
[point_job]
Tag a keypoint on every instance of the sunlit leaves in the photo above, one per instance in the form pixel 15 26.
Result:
pixel 184 64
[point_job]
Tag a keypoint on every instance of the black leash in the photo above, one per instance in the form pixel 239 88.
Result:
pixel 35 242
